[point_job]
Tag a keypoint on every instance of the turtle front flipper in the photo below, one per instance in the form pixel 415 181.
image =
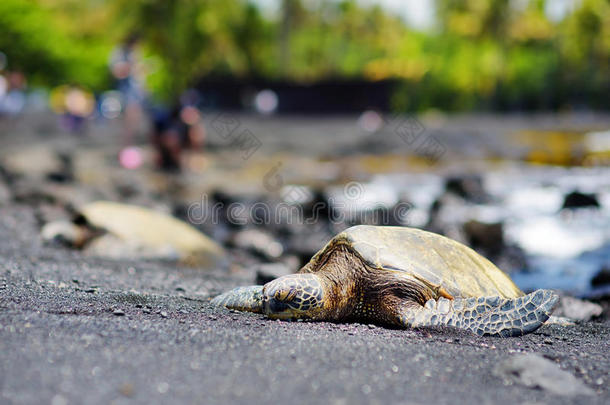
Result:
pixel 485 316
pixel 242 299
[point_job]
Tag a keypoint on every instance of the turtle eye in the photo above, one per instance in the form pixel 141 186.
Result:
pixel 285 295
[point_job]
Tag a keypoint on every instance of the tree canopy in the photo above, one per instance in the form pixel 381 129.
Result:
pixel 480 54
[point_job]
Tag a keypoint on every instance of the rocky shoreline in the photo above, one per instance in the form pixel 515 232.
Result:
pixel 80 327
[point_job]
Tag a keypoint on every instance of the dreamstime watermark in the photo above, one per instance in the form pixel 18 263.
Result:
pixel 229 128
pixel 344 208
pixel 408 128
pixel 411 131
pixel 348 206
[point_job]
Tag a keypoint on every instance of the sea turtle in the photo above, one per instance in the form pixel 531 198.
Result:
pixel 403 277
pixel 110 229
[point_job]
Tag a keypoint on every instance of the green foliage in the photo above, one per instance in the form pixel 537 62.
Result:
pixel 36 42
pixel 484 54
pixel 189 39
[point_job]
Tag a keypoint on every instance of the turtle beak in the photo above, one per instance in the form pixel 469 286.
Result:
pixel 277 309
pixel 271 306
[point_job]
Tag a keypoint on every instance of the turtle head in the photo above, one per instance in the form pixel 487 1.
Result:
pixel 297 296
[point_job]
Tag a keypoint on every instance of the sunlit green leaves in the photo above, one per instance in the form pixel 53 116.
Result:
pixel 481 54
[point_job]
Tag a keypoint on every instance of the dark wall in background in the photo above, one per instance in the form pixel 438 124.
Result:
pixel 331 96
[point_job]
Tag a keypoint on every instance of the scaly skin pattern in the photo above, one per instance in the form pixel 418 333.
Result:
pixel 285 297
pixel 248 299
pixel 296 292
pixel 376 275
pixel 485 316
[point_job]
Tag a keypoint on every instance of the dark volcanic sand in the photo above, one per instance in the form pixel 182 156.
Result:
pixel 83 330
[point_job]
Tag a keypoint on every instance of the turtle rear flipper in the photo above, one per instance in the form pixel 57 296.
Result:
pixel 493 316
pixel 242 299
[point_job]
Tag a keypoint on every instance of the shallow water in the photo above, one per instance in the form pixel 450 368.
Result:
pixel 564 248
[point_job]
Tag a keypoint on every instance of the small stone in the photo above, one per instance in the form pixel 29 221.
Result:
pixel 270 271
pixel 163 314
pixel 258 242
pixel 576 199
pixel 575 308
pixel 163 387
pixel 371 326
pixel 126 390
pixel 118 312
pixel 59 400
pixel 532 370
pixel 602 277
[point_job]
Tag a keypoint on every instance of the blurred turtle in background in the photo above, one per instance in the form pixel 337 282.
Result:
pixel 125 231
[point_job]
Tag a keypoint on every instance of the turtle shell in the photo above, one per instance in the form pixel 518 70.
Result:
pixel 429 257
pixel 140 229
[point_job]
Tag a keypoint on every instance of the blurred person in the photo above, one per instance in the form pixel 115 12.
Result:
pixel 190 115
pixel 79 106
pixel 167 138
pixel 12 93
pixel 74 104
pixel 3 91
pixel 177 130
pixel 194 139
pixel 126 68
